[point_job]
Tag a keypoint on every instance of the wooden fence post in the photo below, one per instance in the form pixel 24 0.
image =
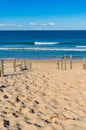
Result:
pixel 22 64
pixel 61 63
pixel 30 65
pixel 58 64
pixel 84 64
pixel 70 61
pixel 25 65
pixel 14 64
pixel 1 67
pixel 65 62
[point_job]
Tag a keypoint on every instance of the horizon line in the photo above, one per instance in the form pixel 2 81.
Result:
pixel 47 30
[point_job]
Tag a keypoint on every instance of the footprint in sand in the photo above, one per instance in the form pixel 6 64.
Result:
pixel 6 123
pixel 5 96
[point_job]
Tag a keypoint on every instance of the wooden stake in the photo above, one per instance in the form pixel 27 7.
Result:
pixel 61 63
pixel 2 68
pixel 58 64
pixel 84 64
pixel 30 65
pixel 70 61
pixel 14 64
pixel 25 64
pixel 22 65
pixel 65 62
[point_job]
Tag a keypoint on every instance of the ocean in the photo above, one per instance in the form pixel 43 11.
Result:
pixel 42 44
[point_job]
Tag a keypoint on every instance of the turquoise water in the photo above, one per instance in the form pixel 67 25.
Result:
pixel 42 44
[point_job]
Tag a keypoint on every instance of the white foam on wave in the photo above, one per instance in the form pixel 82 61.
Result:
pixel 46 49
pixel 45 43
pixel 80 46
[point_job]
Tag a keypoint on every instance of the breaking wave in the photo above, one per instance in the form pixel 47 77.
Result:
pixel 80 46
pixel 46 49
pixel 44 43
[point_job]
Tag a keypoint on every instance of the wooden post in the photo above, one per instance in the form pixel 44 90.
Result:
pixel 65 62
pixel 84 64
pixel 22 64
pixel 25 64
pixel 2 68
pixel 58 64
pixel 61 63
pixel 30 65
pixel 14 64
pixel 70 61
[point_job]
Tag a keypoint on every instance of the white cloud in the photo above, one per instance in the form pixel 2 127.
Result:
pixel 51 24
pixel 16 25
pixel 48 24
pixel 13 25
pixel 2 25
pixel 10 25
pixel 19 25
pixel 44 24
pixel 32 23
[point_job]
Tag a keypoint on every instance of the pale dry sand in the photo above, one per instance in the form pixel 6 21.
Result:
pixel 43 98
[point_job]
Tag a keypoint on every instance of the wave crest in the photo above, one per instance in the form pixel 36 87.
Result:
pixel 45 43
pixel 45 49
pixel 80 46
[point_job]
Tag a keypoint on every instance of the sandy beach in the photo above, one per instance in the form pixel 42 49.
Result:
pixel 43 98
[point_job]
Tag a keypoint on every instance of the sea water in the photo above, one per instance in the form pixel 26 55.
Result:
pixel 42 44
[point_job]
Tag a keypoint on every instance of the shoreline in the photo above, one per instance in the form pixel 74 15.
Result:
pixel 43 60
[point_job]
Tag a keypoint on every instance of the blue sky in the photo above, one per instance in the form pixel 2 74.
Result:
pixel 42 14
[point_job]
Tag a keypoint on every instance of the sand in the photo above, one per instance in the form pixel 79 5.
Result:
pixel 43 98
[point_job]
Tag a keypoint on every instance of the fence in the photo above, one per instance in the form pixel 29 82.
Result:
pixel 26 65
pixel 62 62
pixel 15 65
